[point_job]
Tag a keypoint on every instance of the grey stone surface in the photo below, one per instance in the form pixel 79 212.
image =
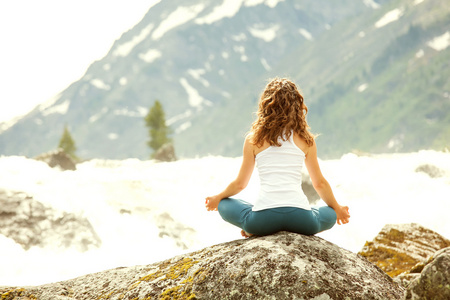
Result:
pixel 280 266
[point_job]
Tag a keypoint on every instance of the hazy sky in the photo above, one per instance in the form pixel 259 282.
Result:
pixel 48 44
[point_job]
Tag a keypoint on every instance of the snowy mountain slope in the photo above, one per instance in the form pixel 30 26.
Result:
pixel 192 58
pixel 375 82
pixel 388 89
pixel 207 61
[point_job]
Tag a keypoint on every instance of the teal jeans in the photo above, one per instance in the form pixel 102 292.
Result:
pixel 268 221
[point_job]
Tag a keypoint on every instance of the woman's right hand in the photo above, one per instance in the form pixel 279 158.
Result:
pixel 211 203
pixel 342 214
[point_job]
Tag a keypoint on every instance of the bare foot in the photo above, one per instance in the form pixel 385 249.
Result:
pixel 246 234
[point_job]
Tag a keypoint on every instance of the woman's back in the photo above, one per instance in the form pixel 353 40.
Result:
pixel 280 172
pixel 281 204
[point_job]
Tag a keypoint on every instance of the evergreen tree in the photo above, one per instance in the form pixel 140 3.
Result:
pixel 68 144
pixel 156 124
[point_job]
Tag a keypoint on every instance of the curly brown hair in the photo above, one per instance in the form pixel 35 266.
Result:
pixel 281 111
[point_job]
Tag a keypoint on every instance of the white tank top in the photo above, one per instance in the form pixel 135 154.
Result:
pixel 280 173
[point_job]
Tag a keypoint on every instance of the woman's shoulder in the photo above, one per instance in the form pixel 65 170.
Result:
pixel 302 144
pixel 249 139
pixel 250 142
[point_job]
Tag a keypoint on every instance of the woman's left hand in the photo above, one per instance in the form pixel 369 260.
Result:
pixel 342 214
pixel 211 203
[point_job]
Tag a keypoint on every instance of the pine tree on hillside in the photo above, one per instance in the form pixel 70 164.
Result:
pixel 68 144
pixel 155 121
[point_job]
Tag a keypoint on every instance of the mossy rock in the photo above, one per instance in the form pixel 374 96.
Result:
pixel 434 280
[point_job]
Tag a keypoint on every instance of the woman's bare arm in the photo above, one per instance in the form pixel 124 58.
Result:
pixel 322 186
pixel 241 181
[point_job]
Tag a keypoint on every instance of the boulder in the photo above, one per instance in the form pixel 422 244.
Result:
pixel 165 153
pixel 309 190
pixel 58 158
pixel 280 266
pixel 434 280
pixel 30 223
pixel 400 247
pixel 177 231
pixel 430 170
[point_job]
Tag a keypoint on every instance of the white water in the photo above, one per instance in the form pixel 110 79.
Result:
pixel 379 189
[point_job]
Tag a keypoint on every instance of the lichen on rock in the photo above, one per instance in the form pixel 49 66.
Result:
pixel 399 247
pixel 434 280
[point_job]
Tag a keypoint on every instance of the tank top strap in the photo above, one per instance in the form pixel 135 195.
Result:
pixel 291 138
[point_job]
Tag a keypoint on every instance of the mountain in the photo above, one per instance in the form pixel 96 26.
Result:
pixel 374 75
pixel 388 86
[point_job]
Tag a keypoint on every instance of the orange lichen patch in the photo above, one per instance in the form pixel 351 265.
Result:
pixel 177 292
pixel 400 248
pixel 106 295
pixel 395 235
pixel 176 270
pixel 15 293
pixel 390 261
pixel 179 274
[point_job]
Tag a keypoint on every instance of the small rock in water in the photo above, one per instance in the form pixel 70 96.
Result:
pixel 430 170
pixel 166 153
pixel 180 233
pixel 308 189
pixel 30 223
pixel 58 158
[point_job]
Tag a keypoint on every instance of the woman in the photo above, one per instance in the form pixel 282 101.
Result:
pixel 279 143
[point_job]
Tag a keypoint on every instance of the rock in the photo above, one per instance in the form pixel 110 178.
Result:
pixel 179 232
pixel 309 190
pixel 434 281
pixel 30 223
pixel 165 153
pixel 398 248
pixel 58 158
pixel 280 266
pixel 430 170
pixel 404 279
pixel 124 211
